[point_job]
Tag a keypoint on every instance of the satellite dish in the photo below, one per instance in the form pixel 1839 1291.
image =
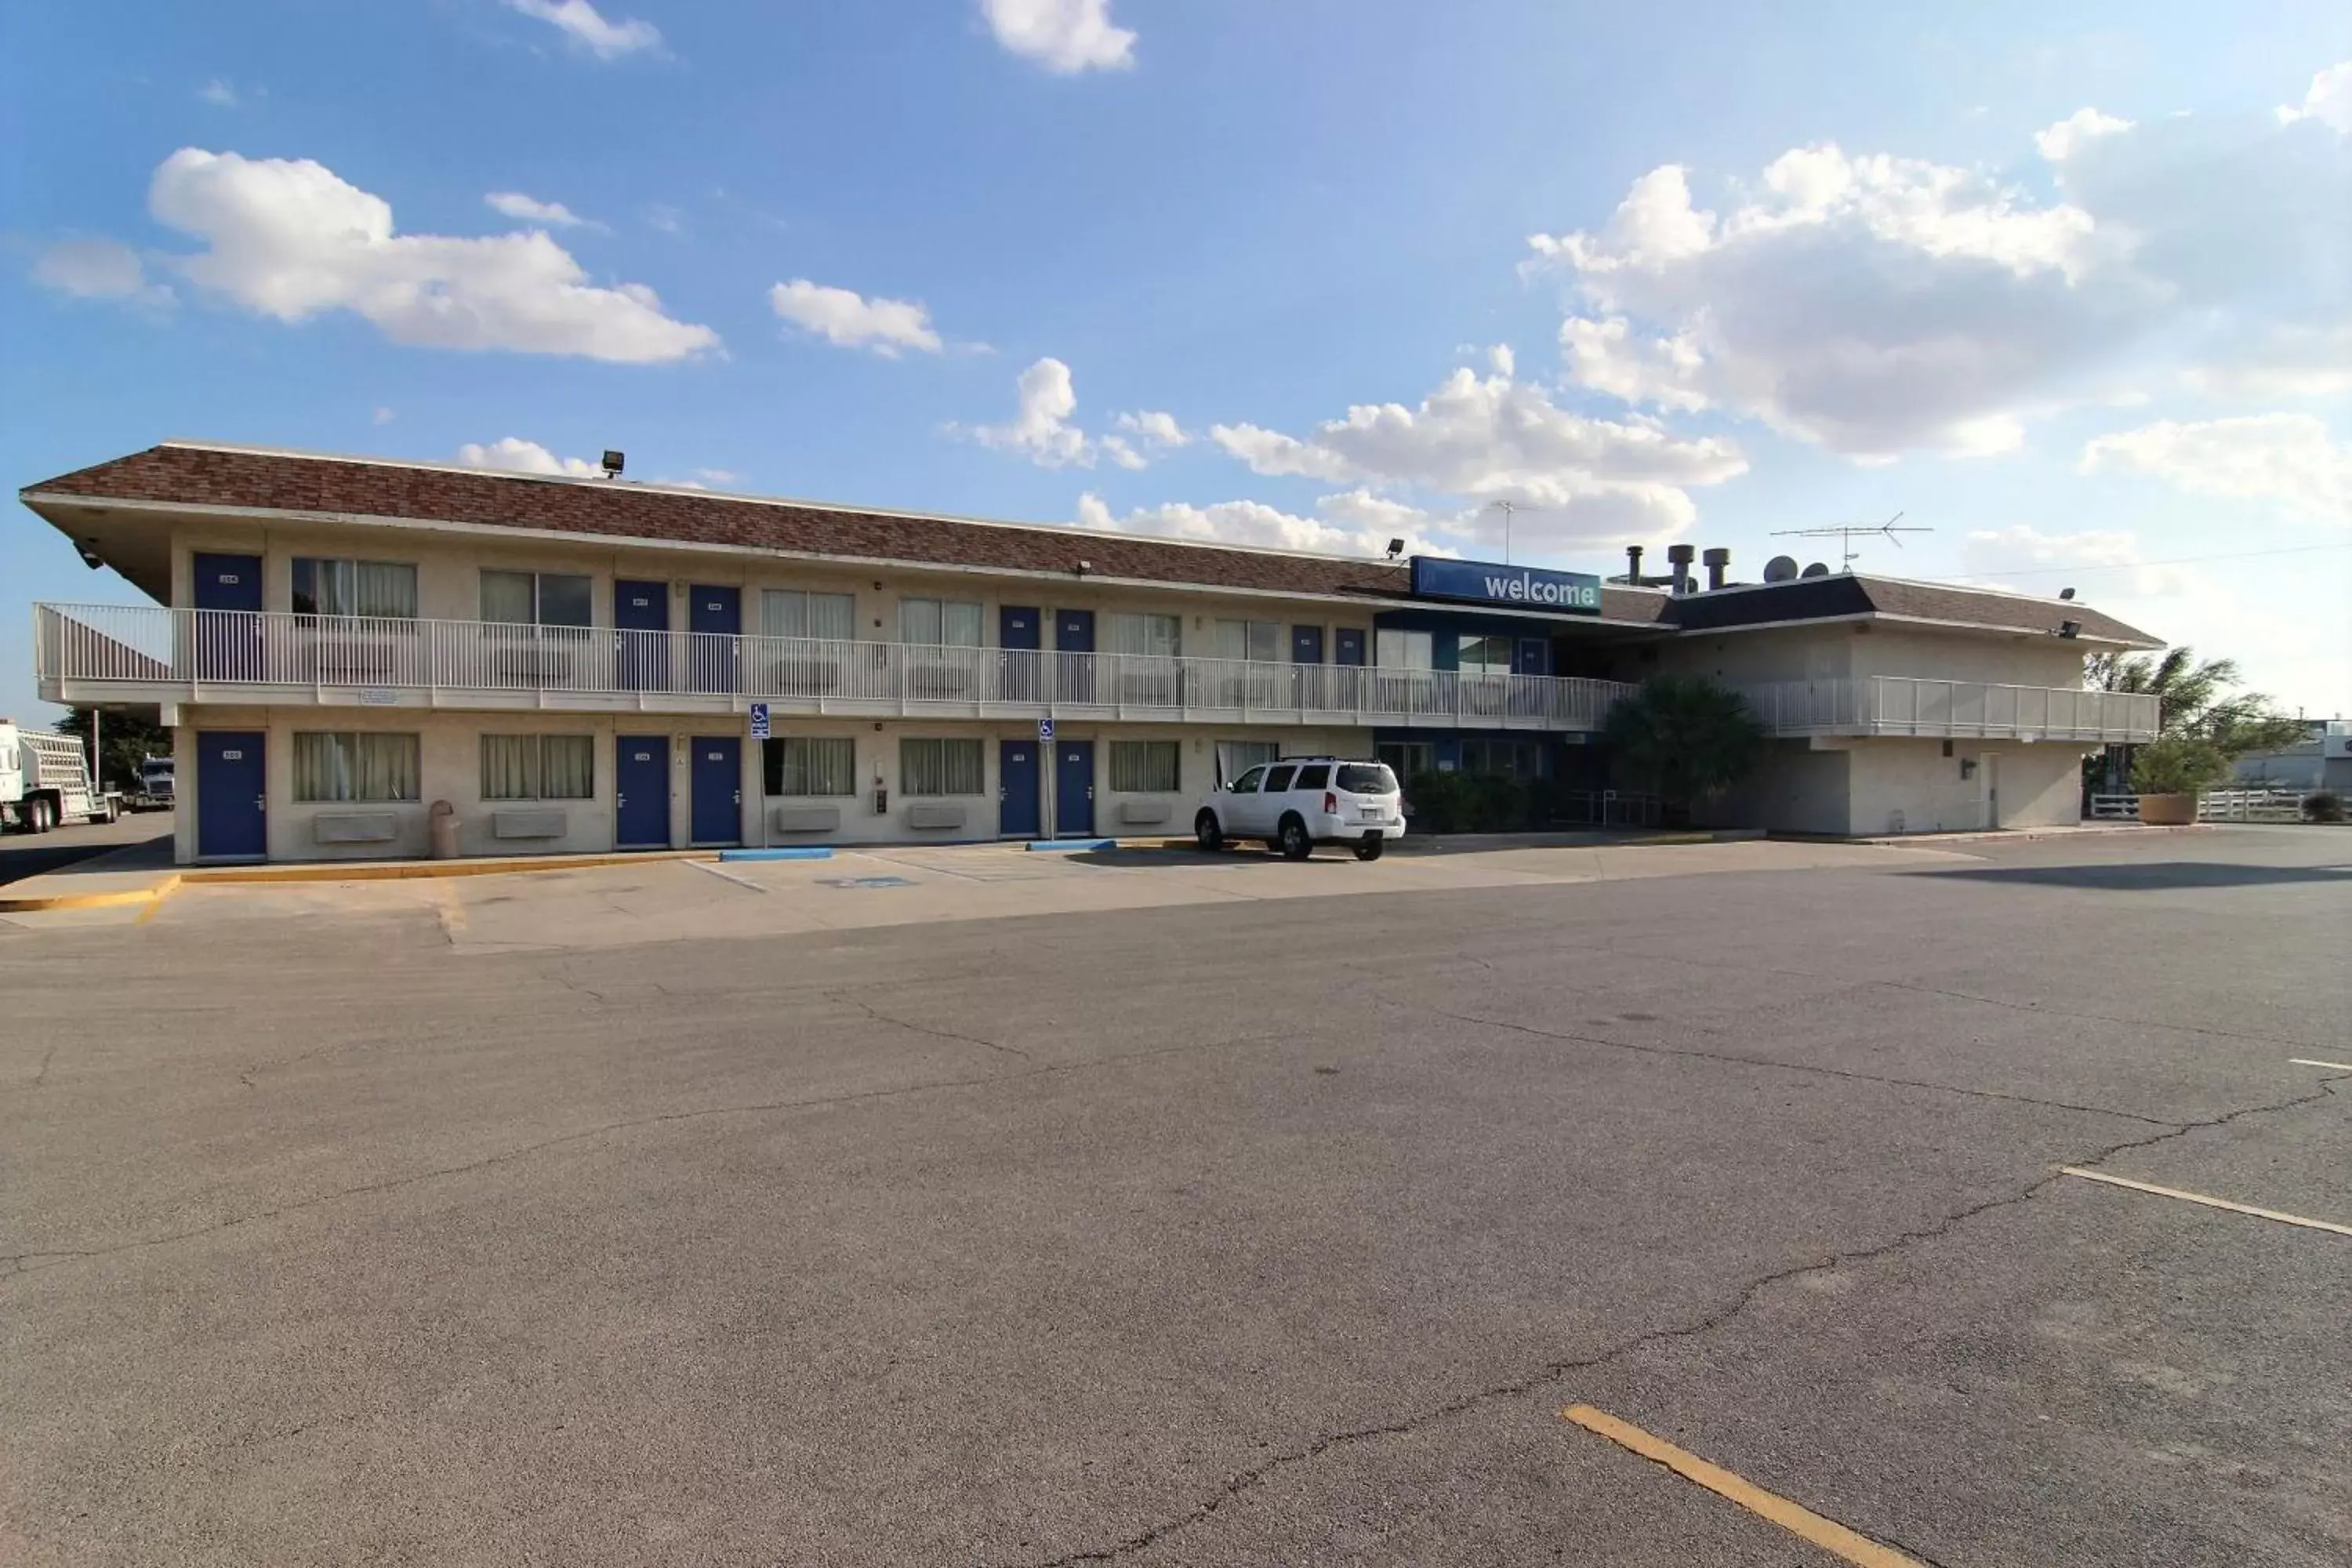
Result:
pixel 1815 570
pixel 1780 569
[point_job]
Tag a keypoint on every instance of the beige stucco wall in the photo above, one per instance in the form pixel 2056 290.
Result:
pixel 450 760
pixel 1901 785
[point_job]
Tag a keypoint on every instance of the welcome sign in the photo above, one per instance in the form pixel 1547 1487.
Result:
pixel 1520 588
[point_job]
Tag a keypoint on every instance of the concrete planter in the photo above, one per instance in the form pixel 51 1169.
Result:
pixel 2168 810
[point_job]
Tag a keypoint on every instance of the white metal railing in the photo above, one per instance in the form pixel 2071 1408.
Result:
pixel 1915 705
pixel 182 653
pixel 2114 808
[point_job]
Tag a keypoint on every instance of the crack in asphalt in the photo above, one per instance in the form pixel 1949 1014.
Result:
pixel 1745 1297
pixel 1734 1058
pixel 42 1077
pixel 34 1261
pixel 842 999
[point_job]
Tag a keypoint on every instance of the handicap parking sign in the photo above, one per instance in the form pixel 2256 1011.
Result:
pixel 1044 728
pixel 758 721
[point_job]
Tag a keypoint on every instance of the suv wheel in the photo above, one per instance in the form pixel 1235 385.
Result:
pixel 1369 848
pixel 1207 834
pixel 1293 841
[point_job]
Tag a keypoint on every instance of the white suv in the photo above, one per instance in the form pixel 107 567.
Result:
pixel 1300 801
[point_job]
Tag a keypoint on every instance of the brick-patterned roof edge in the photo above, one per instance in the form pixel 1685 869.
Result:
pixel 198 474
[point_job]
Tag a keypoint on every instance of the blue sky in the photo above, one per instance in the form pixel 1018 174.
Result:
pixel 1654 273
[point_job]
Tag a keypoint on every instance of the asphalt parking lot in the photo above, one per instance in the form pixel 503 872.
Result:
pixel 1260 1225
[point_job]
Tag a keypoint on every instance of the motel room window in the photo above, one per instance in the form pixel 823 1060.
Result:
pixel 1235 758
pixel 1514 759
pixel 539 767
pixel 324 586
pixel 811 765
pixel 940 623
pixel 537 598
pixel 941 767
pixel 1147 767
pixel 1405 650
pixel 1483 656
pixel 343 765
pixel 1155 637
pixel 1257 640
pixel 789 613
pixel 1408 759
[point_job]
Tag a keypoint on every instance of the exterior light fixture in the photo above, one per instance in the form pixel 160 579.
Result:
pixel 614 462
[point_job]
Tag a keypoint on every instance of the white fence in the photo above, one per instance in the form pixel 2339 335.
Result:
pixel 1913 705
pixel 94 652
pixel 2212 805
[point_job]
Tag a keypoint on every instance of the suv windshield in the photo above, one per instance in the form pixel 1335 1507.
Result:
pixel 1367 778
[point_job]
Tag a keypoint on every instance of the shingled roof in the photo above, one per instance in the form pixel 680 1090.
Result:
pixel 199 476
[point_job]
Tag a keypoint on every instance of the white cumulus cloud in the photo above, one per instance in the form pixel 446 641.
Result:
pixel 515 205
pixel 1039 429
pixel 291 239
pixel 1154 427
pixel 515 455
pixel 1063 36
pixel 1878 305
pixel 2286 459
pixel 2328 100
pixel 852 321
pixel 1580 480
pixel 219 93
pixel 93 268
pixel 1250 523
pixel 586 27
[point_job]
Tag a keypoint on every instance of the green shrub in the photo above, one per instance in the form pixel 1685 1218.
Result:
pixel 1438 800
pixel 2178 763
pixel 2324 805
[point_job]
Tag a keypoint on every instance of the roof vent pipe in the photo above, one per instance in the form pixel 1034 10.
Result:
pixel 1680 556
pixel 1716 560
pixel 1633 565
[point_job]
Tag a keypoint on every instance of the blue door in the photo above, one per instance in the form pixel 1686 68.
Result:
pixel 1020 630
pixel 1348 647
pixel 1016 793
pixel 716 614
pixel 232 785
pixel 228 618
pixel 641 791
pixel 641 619
pixel 1074 789
pixel 718 789
pixel 1528 656
pixel 1074 644
pixel 1307 644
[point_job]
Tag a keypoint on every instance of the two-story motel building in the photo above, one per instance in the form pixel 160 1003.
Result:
pixel 339 643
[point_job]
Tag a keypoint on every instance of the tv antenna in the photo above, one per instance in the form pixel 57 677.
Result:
pixel 1846 532
pixel 1510 509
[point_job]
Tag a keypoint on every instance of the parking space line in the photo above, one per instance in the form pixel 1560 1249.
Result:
pixel 2307 1062
pixel 1795 1518
pixel 718 871
pixel 2209 1201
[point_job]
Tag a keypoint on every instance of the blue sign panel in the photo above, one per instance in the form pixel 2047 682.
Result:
pixel 1044 728
pixel 758 721
pixel 1520 587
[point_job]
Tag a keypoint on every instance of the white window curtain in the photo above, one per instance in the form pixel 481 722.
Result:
pixel 1235 758
pixel 950 623
pixel 342 766
pixel 1150 635
pixel 1146 766
pixel 1258 640
pixel 339 587
pixel 1405 650
pixel 812 765
pixel 931 767
pixel 539 767
pixel 1483 656
pixel 789 613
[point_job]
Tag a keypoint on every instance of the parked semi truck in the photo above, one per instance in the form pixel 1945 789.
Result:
pixel 154 791
pixel 45 781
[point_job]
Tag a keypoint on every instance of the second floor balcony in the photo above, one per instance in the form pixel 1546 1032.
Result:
pixel 115 653
pixel 1916 705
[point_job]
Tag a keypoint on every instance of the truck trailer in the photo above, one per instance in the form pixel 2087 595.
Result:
pixel 45 781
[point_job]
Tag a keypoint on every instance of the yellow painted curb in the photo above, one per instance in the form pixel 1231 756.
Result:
pixel 89 900
pixel 372 871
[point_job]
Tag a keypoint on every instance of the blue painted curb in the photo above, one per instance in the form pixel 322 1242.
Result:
pixel 812 853
pixel 1070 844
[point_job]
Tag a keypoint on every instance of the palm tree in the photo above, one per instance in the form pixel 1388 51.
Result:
pixel 1682 736
pixel 2197 703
